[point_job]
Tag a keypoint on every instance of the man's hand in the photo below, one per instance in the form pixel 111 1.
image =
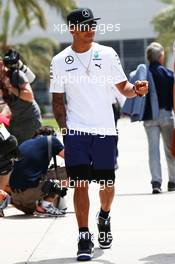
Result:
pixel 6 82
pixel 141 88
pixel 127 89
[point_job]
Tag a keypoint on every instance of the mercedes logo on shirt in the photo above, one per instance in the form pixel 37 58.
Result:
pixel 69 59
pixel 85 13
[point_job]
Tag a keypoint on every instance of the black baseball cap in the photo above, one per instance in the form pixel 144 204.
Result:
pixel 80 16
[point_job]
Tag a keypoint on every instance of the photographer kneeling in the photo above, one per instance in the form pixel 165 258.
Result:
pixel 17 93
pixel 30 191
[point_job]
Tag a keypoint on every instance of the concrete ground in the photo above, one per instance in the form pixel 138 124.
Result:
pixel 143 224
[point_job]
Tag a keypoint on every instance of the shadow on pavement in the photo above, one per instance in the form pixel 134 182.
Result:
pixel 133 194
pixel 24 216
pixel 98 253
pixel 144 194
pixel 160 259
pixel 68 261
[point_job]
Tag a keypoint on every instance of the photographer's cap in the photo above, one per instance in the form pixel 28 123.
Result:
pixel 80 16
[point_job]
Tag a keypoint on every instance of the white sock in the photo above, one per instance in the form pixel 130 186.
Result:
pixel 45 203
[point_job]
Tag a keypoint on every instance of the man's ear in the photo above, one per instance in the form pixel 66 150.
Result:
pixel 72 31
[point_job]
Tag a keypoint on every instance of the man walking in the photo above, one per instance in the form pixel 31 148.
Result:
pixel 86 72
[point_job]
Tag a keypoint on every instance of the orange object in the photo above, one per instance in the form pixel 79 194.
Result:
pixel 3 195
pixel 5 119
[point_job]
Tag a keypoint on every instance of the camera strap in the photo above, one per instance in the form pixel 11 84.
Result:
pixel 50 156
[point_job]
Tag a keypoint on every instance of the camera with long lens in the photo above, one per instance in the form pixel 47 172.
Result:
pixel 12 62
pixel 8 150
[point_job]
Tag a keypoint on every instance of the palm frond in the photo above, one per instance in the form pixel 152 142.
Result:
pixel 167 40
pixel 37 55
pixel 64 7
pixel 0 6
pixel 168 1
pixel 38 12
pixel 19 26
pixel 28 8
pixel 165 20
pixel 23 11
pixel 5 23
pixel 164 25
pixel 38 52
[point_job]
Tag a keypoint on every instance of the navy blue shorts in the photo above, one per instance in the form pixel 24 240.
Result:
pixel 90 157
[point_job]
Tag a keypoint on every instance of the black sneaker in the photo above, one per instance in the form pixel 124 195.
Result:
pixel 104 229
pixel 171 186
pixel 85 247
pixel 156 187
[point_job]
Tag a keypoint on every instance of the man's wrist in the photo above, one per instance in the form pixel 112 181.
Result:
pixel 136 93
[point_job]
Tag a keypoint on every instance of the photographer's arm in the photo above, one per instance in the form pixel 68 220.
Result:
pixel 25 93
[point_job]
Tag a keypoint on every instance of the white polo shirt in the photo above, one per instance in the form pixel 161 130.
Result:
pixel 89 97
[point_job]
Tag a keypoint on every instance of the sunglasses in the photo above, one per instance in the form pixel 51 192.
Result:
pixel 87 26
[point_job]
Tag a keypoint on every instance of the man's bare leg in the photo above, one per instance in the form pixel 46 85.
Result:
pixel 106 197
pixel 81 203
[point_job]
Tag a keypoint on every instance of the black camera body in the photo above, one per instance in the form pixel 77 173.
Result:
pixel 11 59
pixel 12 62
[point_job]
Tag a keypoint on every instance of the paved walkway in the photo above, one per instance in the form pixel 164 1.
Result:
pixel 143 224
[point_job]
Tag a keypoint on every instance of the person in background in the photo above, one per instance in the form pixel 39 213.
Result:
pixel 16 91
pixel 31 191
pixel 164 124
